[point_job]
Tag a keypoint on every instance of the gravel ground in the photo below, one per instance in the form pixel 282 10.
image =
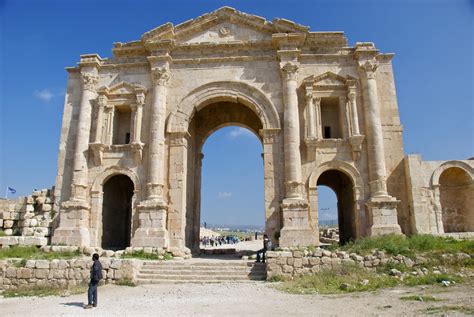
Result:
pixel 235 299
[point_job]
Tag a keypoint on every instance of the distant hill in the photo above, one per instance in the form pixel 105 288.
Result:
pixel 234 227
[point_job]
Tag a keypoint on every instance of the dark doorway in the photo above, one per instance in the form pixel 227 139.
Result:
pixel 342 185
pixel 117 213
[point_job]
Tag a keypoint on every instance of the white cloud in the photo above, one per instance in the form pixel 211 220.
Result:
pixel 44 95
pixel 224 194
pixel 238 132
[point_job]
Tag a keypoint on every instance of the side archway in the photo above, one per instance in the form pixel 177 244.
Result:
pixel 107 188
pixel 346 182
pixel 453 184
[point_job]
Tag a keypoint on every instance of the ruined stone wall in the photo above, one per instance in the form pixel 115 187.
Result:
pixel 424 193
pixel 28 220
pixel 63 273
pixel 293 263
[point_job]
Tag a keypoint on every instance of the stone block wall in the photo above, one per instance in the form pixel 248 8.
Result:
pixel 295 263
pixel 63 273
pixel 27 220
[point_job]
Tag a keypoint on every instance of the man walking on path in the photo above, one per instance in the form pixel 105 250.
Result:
pixel 96 276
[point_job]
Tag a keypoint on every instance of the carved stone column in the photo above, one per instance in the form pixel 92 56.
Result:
pixel 153 212
pixel 291 132
pixel 156 149
pixel 356 138
pixel 296 226
pixel 382 207
pixel 98 147
pixel 137 114
pixel 319 128
pixel 310 116
pixel 74 220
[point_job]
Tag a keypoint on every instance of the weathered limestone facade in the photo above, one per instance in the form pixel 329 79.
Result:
pixel 134 125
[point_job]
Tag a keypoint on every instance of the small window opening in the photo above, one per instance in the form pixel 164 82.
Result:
pixel 327 132
pixel 127 138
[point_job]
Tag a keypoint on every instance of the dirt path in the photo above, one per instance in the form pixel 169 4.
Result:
pixel 233 299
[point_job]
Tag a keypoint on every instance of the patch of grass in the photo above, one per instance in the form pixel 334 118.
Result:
pixel 329 281
pixel 446 308
pixel 278 278
pixel 125 282
pixel 43 291
pixel 421 298
pixel 21 263
pixel 2 233
pixel 33 253
pixel 147 256
pixel 431 279
pixel 408 246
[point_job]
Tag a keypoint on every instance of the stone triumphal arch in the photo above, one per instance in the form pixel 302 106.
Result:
pixel 129 163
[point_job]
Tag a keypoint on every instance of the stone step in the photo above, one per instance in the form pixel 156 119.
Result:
pixel 157 281
pixel 214 264
pixel 208 271
pixel 203 268
pixel 199 277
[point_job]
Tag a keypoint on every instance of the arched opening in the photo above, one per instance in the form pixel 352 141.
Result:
pixel 204 123
pixel 456 196
pixel 342 186
pixel 328 221
pixel 117 212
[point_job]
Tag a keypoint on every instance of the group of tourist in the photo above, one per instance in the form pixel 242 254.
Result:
pixel 218 241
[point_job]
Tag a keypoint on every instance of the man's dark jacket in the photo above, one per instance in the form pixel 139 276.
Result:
pixel 96 272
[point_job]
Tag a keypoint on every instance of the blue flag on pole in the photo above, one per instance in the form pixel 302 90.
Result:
pixel 11 190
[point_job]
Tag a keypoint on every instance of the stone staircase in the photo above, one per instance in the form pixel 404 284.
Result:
pixel 189 271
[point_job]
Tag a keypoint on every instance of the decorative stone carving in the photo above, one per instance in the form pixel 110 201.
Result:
pixel 294 189
pixel 369 67
pixel 137 151
pixel 89 81
pixel 289 71
pixel 269 136
pixel 161 76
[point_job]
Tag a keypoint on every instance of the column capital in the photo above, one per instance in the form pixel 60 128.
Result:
pixel 102 100
pixel 89 81
pixel 161 76
pixel 140 99
pixel 369 67
pixel 289 70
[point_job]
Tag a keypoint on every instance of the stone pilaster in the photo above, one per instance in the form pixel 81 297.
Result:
pixel 382 207
pixel 74 220
pixel 355 138
pixel 178 167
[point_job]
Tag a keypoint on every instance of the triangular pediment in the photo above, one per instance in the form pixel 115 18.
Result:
pixel 223 25
pixel 122 88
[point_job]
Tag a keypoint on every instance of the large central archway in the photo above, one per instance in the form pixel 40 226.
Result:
pixel 203 111
pixel 203 124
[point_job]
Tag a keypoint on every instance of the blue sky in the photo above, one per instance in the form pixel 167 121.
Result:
pixel 433 65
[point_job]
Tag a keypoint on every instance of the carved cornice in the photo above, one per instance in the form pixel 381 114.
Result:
pixel 289 71
pixel 161 76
